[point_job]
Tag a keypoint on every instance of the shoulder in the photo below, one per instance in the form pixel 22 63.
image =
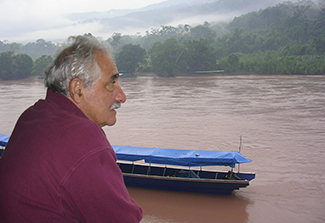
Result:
pixel 88 134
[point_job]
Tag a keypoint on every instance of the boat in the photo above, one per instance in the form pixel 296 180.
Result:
pixel 125 74
pixel 203 73
pixel 3 142
pixel 182 170
pixel 177 169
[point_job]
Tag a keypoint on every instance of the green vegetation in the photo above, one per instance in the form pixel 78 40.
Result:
pixel 18 61
pixel 288 38
pixel 15 66
pixel 40 64
pixel 130 58
pixel 172 57
pixel 21 66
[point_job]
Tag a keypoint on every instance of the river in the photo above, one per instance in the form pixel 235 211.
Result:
pixel 281 119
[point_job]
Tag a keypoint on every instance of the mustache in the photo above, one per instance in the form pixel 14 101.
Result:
pixel 116 105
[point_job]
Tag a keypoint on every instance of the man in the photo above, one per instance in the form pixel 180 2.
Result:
pixel 58 165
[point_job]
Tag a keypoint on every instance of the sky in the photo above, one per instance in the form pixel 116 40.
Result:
pixel 28 20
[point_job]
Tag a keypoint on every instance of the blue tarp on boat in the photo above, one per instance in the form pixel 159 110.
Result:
pixel 130 153
pixel 4 139
pixel 180 157
pixel 171 156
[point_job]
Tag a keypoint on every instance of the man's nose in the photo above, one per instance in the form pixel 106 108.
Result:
pixel 120 96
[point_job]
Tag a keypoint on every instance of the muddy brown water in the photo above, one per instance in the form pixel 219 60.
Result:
pixel 281 119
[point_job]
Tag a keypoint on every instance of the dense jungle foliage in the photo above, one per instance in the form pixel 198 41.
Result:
pixel 288 38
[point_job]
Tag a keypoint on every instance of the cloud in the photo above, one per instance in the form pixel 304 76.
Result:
pixel 200 19
pixel 29 20
pixel 62 33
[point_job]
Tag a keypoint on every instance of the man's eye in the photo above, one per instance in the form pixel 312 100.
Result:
pixel 113 83
pixel 111 86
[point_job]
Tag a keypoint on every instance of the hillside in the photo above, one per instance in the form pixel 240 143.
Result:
pixel 288 38
pixel 172 12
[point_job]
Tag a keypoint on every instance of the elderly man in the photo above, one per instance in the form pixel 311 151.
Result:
pixel 58 165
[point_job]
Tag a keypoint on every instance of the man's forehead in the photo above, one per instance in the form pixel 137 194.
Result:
pixel 106 63
pixel 102 56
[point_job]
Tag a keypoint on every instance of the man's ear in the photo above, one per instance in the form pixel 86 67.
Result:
pixel 76 90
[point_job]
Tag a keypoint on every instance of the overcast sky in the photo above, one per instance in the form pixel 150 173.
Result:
pixel 29 20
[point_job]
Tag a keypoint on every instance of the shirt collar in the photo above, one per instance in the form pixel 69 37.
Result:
pixel 63 102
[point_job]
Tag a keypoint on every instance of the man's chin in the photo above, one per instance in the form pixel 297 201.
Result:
pixel 111 124
pixel 111 121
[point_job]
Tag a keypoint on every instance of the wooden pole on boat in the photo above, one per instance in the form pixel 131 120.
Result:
pixel 240 148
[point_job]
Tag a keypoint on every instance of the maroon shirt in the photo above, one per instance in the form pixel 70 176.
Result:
pixel 59 167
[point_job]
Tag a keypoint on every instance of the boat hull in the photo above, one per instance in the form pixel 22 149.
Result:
pixel 164 178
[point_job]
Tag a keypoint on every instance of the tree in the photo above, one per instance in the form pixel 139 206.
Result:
pixel 130 58
pixel 203 32
pixel 15 67
pixel 6 65
pixel 235 42
pixel 200 55
pixel 22 66
pixel 230 64
pixel 39 48
pixel 40 64
pixel 166 58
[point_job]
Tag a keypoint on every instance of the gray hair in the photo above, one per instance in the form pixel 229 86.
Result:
pixel 75 60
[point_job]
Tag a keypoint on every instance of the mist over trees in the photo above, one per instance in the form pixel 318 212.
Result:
pixel 288 38
pixel 18 61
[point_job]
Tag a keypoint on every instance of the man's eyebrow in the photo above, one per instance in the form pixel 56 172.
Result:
pixel 115 76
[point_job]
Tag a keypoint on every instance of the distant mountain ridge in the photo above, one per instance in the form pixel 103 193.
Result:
pixel 171 12
pixel 122 12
